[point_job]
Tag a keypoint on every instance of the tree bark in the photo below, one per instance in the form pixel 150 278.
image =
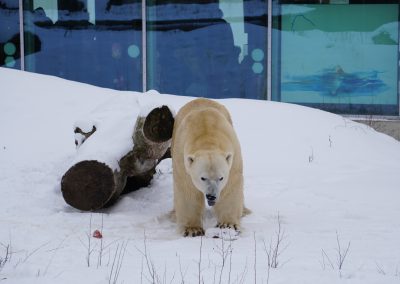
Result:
pixel 92 185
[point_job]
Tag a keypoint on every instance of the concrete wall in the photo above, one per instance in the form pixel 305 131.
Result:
pixel 390 127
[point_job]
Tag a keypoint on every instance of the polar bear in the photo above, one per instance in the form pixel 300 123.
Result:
pixel 207 165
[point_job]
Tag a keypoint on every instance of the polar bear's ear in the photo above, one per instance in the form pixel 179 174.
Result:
pixel 189 161
pixel 229 158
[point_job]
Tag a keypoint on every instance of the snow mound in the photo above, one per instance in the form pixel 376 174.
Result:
pixel 314 180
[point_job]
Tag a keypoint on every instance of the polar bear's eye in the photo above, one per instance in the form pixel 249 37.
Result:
pixel 203 178
pixel 221 178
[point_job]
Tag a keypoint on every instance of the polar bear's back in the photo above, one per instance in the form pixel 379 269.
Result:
pixel 200 120
pixel 201 104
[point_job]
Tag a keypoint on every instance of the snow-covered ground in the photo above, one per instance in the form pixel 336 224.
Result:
pixel 328 183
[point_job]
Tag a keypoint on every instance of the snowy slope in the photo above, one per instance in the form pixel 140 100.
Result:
pixel 331 182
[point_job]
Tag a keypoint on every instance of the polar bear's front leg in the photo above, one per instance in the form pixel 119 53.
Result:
pixel 228 211
pixel 189 213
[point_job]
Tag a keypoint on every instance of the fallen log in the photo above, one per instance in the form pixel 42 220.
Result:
pixel 94 182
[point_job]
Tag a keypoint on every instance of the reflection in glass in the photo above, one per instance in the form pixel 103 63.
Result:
pixel 86 41
pixel 9 34
pixel 201 48
pixel 343 58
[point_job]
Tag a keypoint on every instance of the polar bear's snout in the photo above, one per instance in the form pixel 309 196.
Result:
pixel 211 199
pixel 212 192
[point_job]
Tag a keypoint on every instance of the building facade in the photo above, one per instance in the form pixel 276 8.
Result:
pixel 337 55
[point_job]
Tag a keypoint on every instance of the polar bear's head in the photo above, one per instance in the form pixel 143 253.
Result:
pixel 209 171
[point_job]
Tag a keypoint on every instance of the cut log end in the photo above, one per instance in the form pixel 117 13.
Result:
pixel 88 185
pixel 91 185
pixel 159 124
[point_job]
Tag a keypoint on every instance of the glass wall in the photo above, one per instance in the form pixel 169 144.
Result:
pixel 337 55
pixel 342 56
pixel 207 48
pixel 91 41
pixel 9 34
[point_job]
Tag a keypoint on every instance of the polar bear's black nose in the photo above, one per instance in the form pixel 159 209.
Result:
pixel 210 197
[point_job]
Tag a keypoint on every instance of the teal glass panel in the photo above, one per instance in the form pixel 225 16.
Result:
pixel 9 34
pixel 92 41
pixel 338 57
pixel 207 48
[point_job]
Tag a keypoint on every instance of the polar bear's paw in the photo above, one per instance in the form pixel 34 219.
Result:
pixel 193 232
pixel 228 226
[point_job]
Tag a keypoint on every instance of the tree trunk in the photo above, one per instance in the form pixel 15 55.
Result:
pixel 92 184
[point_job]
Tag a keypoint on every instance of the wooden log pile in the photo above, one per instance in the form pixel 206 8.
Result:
pixel 92 183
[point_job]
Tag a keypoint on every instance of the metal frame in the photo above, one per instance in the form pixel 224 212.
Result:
pixel 398 67
pixel 269 51
pixel 144 47
pixel 21 34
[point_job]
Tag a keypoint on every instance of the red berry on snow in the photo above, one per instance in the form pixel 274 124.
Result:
pixel 97 234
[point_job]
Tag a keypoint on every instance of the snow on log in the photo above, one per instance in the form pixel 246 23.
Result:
pixel 117 152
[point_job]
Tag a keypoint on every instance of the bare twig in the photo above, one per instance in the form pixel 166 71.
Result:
pixel 274 250
pixel 242 276
pixel 223 252
pixel 7 255
pixel 99 260
pixel 154 278
pixel 117 262
pixel 181 272
pixel 89 237
pixel 141 272
pixel 28 255
pixel 380 268
pixel 230 259
pixel 311 156
pixel 341 254
pixel 53 255
pixel 324 255
pixel 199 266
pixel 255 258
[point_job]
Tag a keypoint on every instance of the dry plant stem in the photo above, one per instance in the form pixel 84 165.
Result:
pixel 255 258
pixel 181 272
pixel 341 253
pixel 380 268
pixel 199 266
pixel 223 252
pixel 28 255
pixel 277 246
pixel 141 272
pixel 324 255
pixel 53 255
pixel 154 278
pixel 230 260
pixel 99 260
pixel 274 249
pixel 117 262
pixel 242 276
pixel 7 256
pixel 89 236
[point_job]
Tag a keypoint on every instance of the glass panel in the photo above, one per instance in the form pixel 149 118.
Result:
pixel 338 57
pixel 9 34
pixel 214 49
pixel 96 42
